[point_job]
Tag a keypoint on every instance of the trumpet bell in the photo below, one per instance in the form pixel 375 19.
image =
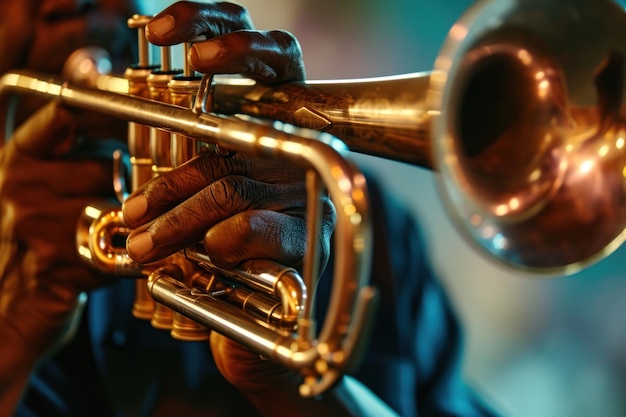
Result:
pixel 530 131
pixel 521 119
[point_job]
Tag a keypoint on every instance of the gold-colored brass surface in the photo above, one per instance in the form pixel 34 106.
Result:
pixel 521 118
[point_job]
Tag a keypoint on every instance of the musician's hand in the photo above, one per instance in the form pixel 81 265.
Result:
pixel 239 196
pixel 42 193
pixel 40 35
pixel 242 208
pixel 233 45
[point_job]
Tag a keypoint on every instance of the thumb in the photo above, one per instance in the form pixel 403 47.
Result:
pixel 48 133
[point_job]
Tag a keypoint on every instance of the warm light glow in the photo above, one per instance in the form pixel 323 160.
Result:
pixel 356 219
pixel 488 232
pixel 113 84
pixel 84 252
pixel 458 31
pixel 525 57
pixel 358 195
pixel 268 142
pixel 438 77
pixel 604 149
pixel 502 209
pixel 85 66
pixel 443 63
pixel 410 75
pixel 92 212
pixel 586 166
pixel 535 175
pixel 233 80
pixel 336 172
pixel 619 143
pixel 293 148
pixel 544 86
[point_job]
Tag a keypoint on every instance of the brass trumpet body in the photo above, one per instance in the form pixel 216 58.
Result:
pixel 521 118
pixel 320 357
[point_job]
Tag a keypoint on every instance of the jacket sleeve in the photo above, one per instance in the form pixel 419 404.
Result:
pixel 413 361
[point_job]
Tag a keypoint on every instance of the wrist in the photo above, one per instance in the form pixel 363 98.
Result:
pixel 16 365
pixel 13 353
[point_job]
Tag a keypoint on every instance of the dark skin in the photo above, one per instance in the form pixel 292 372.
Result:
pixel 263 217
pixel 40 282
pixel 40 35
pixel 241 208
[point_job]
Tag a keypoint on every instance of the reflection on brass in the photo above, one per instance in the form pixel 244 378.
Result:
pixel 521 118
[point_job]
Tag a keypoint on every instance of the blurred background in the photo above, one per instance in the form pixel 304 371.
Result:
pixel 535 347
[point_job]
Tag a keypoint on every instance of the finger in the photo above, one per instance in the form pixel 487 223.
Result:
pixel 61 32
pixel 65 179
pixel 247 371
pixel 167 190
pixel 186 223
pixel 50 132
pixel 16 31
pixel 258 234
pixel 184 21
pixel 51 223
pixel 268 56
pixel 57 9
pixel 50 237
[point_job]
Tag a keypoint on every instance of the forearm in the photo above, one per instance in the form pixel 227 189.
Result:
pixel 15 369
pixel 348 398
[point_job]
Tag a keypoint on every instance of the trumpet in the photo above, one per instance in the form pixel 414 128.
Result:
pixel 523 127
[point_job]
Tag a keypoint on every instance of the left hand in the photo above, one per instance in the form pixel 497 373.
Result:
pixel 240 196
pixel 241 208
pixel 233 46
pixel 41 276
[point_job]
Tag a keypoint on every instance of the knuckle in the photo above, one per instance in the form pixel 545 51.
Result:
pixel 238 12
pixel 286 41
pixel 244 225
pixel 158 189
pixel 220 193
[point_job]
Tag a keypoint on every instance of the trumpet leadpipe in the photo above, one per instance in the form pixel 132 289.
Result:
pixel 387 117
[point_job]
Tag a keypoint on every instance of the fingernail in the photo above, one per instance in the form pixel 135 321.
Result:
pixel 139 245
pixel 135 208
pixel 205 51
pixel 161 26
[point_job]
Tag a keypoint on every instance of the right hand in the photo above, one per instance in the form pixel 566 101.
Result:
pixel 42 190
pixel 242 208
pixel 42 193
pixel 233 45
pixel 40 35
